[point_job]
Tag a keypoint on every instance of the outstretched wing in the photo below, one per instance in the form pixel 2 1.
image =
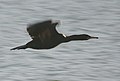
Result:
pixel 43 30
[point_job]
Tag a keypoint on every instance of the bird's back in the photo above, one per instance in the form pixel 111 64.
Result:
pixel 44 35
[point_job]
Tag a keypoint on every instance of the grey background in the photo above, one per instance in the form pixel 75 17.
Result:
pixel 92 60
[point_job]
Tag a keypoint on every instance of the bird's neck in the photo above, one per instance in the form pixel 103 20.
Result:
pixel 74 38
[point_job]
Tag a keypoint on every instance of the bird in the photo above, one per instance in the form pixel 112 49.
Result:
pixel 45 36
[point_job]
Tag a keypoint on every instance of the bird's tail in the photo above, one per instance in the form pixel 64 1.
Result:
pixel 19 47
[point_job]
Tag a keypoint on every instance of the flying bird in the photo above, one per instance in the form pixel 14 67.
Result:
pixel 45 36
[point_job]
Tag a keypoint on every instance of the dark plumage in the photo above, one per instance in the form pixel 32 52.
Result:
pixel 45 36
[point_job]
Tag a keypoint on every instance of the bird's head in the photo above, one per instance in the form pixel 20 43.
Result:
pixel 86 37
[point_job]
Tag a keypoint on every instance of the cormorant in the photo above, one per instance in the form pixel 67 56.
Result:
pixel 45 36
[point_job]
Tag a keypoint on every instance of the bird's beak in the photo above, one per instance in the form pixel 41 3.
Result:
pixel 94 37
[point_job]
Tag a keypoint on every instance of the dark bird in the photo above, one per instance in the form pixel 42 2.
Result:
pixel 45 36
